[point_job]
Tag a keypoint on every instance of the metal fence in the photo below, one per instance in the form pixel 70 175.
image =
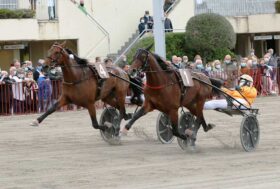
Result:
pixel 17 98
pixel 235 7
pixel 8 4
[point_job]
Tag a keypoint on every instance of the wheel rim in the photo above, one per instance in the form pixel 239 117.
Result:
pixel 164 129
pixel 249 133
pixel 110 115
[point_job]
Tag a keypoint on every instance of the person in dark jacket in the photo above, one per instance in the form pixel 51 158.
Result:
pixel 149 21
pixel 141 26
pixel 168 24
pixel 38 69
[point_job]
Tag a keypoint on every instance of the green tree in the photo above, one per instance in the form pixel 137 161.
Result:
pixel 210 35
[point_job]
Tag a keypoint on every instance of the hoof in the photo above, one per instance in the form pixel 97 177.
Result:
pixel 209 127
pixel 35 123
pixel 128 116
pixel 189 132
pixel 123 132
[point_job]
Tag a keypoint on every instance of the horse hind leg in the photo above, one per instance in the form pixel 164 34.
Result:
pixel 173 115
pixel 58 104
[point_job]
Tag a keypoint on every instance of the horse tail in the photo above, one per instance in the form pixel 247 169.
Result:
pixel 217 83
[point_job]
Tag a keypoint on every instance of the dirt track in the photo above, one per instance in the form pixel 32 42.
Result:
pixel 65 152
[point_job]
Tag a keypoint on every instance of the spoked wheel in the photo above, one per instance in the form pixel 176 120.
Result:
pixel 186 121
pixel 110 117
pixel 164 129
pixel 249 133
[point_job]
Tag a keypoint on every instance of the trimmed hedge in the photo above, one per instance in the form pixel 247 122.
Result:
pixel 210 35
pixel 19 13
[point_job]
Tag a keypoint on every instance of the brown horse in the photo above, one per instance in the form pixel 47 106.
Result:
pixel 163 92
pixel 81 85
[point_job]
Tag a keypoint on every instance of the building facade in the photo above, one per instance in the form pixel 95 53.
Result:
pixel 255 22
pixel 101 27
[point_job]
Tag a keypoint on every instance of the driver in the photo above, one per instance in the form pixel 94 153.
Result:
pixel 245 93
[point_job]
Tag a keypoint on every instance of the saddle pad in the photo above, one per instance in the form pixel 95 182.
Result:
pixel 101 70
pixel 186 77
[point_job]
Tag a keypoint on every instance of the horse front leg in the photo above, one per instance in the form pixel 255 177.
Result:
pixel 92 113
pixel 141 112
pixel 58 104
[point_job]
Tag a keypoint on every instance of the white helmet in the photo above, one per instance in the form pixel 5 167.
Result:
pixel 246 80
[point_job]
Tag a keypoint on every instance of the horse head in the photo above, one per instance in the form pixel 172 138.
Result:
pixel 57 55
pixel 140 62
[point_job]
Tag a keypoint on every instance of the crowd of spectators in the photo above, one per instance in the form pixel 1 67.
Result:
pixel 26 88
pixel 265 70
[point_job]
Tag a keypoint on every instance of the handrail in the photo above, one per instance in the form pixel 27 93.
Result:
pixel 136 40
pixel 173 5
pixel 131 44
pixel 104 31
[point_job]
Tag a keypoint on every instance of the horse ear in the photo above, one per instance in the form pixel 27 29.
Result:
pixel 149 47
pixel 63 44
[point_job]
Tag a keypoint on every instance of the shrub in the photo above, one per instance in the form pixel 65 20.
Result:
pixel 19 13
pixel 277 6
pixel 210 35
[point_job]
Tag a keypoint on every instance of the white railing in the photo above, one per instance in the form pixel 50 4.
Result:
pixel 235 7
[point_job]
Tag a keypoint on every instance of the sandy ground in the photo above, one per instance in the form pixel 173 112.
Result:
pixel 66 152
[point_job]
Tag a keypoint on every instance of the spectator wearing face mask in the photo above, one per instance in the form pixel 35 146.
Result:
pixel 185 63
pixel 199 65
pixel 29 65
pixel 244 69
pixel 268 75
pixel 231 72
pixel 38 69
pixel 30 90
pixel 142 26
pixel 18 91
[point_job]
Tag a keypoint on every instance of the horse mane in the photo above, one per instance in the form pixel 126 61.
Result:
pixel 161 62
pixel 76 58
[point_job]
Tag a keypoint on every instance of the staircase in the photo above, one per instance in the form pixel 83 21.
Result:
pixel 134 36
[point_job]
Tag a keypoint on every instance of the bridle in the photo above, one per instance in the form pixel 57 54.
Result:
pixel 55 64
pixel 61 52
pixel 145 65
pixel 144 68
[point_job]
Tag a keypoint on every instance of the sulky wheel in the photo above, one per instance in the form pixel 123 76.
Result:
pixel 111 118
pixel 164 129
pixel 186 121
pixel 249 133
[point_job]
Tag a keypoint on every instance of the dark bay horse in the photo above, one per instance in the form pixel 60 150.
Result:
pixel 82 87
pixel 164 93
